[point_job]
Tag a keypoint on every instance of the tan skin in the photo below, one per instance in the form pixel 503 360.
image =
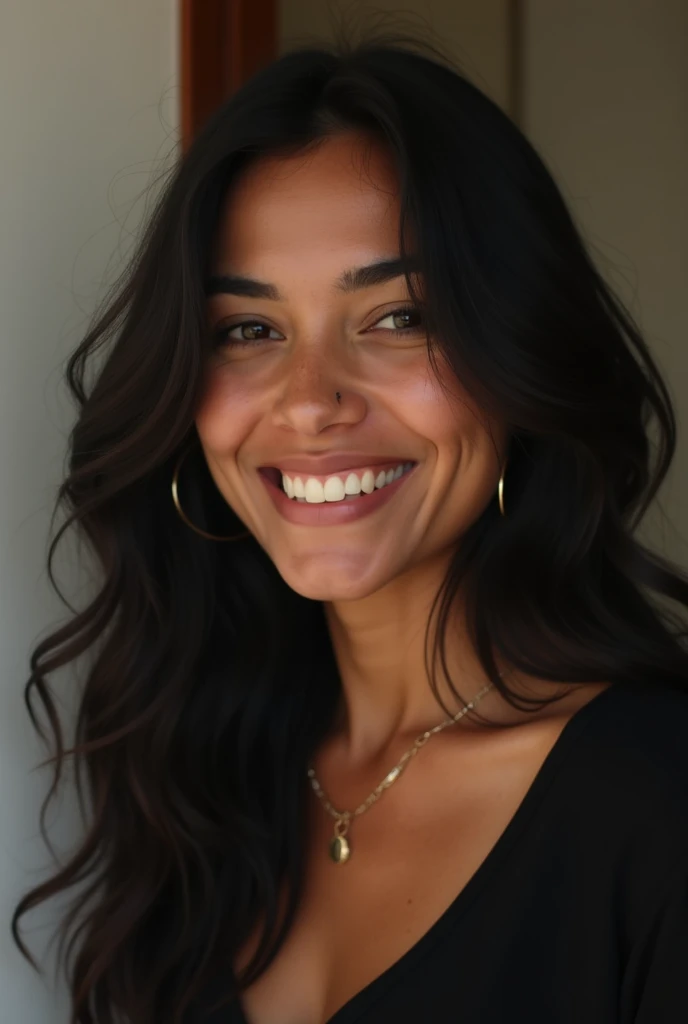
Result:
pixel 298 222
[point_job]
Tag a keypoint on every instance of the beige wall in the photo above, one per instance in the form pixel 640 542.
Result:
pixel 606 102
pixel 88 98
pixel 475 32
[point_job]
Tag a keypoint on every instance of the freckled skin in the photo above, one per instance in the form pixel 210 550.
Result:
pixel 298 223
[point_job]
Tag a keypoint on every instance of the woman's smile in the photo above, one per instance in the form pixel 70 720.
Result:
pixel 325 501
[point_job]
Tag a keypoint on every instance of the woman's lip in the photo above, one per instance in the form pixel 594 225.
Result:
pixel 334 463
pixel 330 513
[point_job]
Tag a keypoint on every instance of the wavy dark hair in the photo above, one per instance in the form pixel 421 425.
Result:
pixel 199 712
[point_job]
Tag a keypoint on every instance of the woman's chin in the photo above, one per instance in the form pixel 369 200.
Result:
pixel 332 579
pixel 331 594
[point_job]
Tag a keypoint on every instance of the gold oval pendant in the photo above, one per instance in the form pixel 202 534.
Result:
pixel 339 850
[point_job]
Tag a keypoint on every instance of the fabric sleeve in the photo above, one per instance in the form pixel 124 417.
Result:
pixel 655 985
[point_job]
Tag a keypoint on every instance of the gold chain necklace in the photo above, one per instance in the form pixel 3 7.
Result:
pixel 340 850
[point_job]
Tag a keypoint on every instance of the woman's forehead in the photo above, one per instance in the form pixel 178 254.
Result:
pixel 337 177
pixel 322 209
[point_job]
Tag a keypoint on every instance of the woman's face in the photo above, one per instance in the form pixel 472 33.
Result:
pixel 292 238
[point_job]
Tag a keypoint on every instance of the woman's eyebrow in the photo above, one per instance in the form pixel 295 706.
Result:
pixel 350 281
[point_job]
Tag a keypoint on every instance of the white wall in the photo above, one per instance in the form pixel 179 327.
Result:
pixel 606 103
pixel 88 111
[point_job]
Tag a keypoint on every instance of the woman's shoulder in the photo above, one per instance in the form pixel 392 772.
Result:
pixel 646 720
pixel 626 791
pixel 632 755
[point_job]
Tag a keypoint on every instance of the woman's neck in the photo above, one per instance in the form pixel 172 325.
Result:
pixel 379 643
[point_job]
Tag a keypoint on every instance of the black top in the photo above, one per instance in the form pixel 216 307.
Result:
pixel 579 913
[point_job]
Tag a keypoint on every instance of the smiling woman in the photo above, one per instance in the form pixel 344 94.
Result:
pixel 363 348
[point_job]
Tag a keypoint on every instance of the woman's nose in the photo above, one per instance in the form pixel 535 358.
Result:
pixel 307 401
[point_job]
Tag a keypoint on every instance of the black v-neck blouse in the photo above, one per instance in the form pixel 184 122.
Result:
pixel 579 913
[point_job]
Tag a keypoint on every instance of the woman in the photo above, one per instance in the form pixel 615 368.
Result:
pixel 386 710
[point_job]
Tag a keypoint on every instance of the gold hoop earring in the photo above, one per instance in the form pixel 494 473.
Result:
pixel 500 491
pixel 180 510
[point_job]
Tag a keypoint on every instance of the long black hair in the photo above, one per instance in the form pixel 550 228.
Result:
pixel 200 710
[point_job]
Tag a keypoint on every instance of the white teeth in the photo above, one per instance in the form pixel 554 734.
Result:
pixel 315 492
pixel 368 482
pixel 352 485
pixel 335 489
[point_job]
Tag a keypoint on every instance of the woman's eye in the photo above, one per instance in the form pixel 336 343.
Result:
pixel 407 320
pixel 249 332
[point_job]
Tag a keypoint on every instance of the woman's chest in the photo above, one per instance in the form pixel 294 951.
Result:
pixel 412 855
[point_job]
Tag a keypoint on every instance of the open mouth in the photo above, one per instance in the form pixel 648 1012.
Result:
pixel 337 488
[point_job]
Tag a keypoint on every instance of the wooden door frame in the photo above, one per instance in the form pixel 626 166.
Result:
pixel 223 43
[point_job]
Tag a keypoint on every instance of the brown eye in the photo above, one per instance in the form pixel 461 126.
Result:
pixel 251 332
pixel 406 320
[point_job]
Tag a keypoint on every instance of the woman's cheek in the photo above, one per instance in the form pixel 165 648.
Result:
pixel 227 408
